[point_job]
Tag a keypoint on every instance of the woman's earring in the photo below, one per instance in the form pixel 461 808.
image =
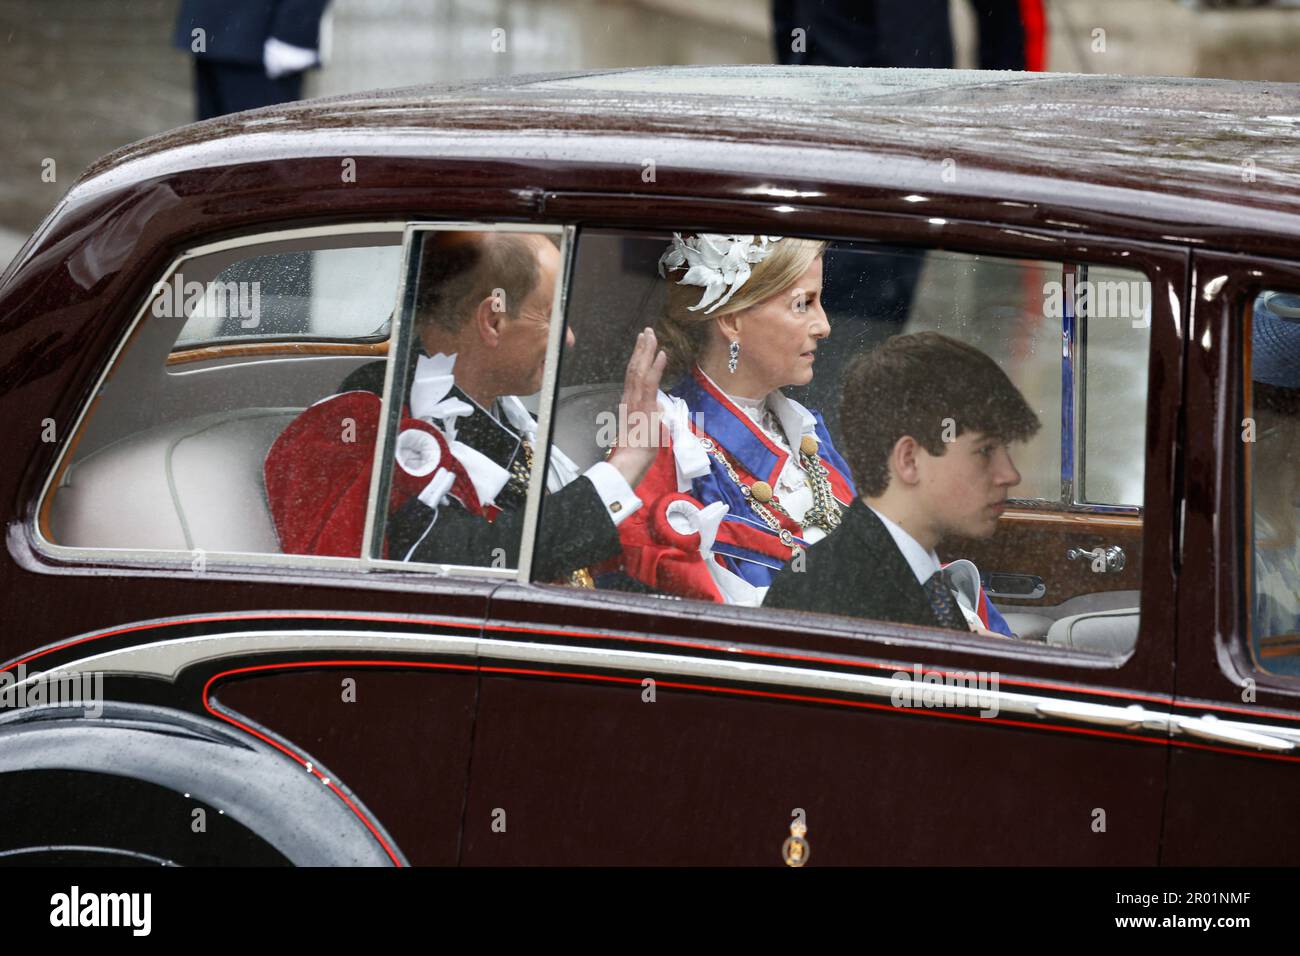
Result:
pixel 734 358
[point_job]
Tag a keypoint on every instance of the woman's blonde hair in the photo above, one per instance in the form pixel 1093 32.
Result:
pixel 683 334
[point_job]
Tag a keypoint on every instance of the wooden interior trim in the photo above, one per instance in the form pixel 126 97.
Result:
pixel 1279 645
pixel 47 505
pixel 209 353
pixel 1072 520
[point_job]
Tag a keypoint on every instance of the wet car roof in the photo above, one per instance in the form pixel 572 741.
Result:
pixel 1174 138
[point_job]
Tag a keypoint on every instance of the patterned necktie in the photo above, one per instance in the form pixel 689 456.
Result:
pixel 944 604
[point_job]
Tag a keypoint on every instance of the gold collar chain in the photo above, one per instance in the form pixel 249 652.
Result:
pixel 824 514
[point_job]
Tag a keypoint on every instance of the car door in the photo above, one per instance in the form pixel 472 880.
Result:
pixel 1234 773
pixel 643 728
pixel 336 668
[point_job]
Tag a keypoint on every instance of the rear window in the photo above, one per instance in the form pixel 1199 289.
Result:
pixel 332 294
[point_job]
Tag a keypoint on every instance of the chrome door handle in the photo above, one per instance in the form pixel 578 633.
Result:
pixel 1210 727
pixel 1111 559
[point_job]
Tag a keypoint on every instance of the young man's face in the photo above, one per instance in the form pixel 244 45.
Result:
pixel 964 490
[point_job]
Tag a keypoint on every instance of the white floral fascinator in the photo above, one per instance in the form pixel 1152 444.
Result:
pixel 719 263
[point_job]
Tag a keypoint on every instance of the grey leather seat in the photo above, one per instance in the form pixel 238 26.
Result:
pixel 179 486
pixel 1101 632
pixel 580 413
pixel 1028 627
pixel 1048 623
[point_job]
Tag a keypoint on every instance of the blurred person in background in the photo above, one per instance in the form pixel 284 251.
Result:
pixel 906 33
pixel 891 33
pixel 249 53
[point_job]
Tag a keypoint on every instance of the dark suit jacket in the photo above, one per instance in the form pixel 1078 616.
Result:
pixel 575 529
pixel 856 571
pixel 236 29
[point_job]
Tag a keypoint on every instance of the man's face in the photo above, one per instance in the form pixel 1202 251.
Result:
pixel 522 347
pixel 965 489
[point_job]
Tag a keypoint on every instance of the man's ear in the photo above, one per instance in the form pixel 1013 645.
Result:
pixel 902 461
pixel 487 321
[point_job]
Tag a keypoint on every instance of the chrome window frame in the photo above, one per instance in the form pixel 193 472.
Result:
pixel 177 559
pixel 379 476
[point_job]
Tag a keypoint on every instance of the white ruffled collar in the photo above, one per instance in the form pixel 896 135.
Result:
pixel 431 399
pixel 795 420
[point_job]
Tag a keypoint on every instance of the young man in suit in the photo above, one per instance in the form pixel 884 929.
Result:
pixel 927 421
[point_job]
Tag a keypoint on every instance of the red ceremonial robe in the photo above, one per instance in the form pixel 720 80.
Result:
pixel 318 473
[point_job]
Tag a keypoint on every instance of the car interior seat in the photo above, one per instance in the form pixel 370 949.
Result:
pixel 1102 622
pixel 193 484
pixel 583 415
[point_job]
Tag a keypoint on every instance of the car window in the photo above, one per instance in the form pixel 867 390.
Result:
pixel 467 458
pixel 1114 339
pixel 303 294
pixel 172 452
pixel 795 367
pixel 1271 437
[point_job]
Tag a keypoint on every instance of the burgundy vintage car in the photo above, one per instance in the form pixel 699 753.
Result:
pixel 186 685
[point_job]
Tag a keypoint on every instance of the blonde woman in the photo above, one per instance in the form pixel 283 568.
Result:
pixel 749 478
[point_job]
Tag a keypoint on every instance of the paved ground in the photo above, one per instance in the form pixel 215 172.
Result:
pixel 79 79
pixel 83 77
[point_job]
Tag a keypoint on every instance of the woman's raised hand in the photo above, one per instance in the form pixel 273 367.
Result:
pixel 640 429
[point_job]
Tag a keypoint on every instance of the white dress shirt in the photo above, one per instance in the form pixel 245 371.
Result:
pixel 433 380
pixel 923 563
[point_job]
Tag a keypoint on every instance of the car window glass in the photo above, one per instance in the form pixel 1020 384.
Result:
pixel 207 450
pixel 1115 337
pixel 998 306
pixel 761 471
pixel 1271 436
pixel 320 293
pixel 476 320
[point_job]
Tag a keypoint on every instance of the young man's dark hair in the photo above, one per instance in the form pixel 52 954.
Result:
pixel 928 386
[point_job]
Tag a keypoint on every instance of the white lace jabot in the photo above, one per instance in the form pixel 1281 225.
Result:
pixel 759 411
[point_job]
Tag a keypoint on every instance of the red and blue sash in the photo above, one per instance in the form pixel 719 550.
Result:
pixel 746 545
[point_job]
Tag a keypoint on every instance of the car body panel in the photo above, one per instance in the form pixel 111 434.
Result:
pixel 1252 795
